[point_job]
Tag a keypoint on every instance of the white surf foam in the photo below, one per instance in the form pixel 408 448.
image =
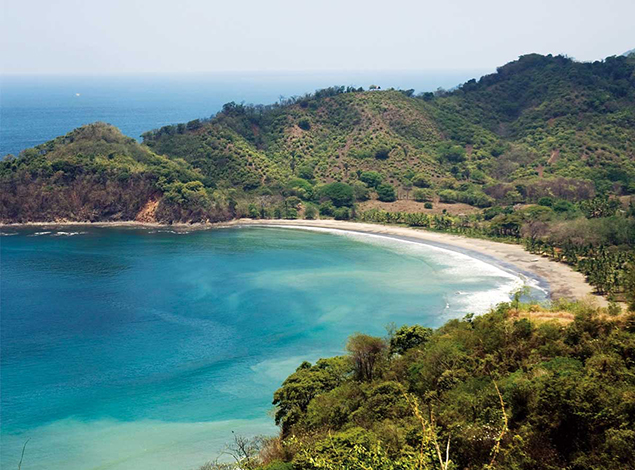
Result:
pixel 67 234
pixel 453 264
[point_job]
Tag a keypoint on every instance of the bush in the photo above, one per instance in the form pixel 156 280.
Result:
pixel 421 180
pixel 545 201
pixel 563 206
pixel 327 209
pixel 299 187
pixel 474 198
pixel 422 195
pixel 290 213
pixel 304 124
pixel 254 213
pixel 305 172
pixel 342 213
pixel 428 205
pixel 360 191
pixel 451 153
pixel 408 337
pixel 382 153
pixel 386 192
pixel 310 212
pixel 371 178
pixel 292 202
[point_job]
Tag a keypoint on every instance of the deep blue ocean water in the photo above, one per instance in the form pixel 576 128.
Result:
pixel 144 348
pixel 35 109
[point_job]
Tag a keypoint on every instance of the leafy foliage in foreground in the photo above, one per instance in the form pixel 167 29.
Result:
pixel 502 390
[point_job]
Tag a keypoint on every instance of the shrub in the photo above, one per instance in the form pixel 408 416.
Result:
pixel 304 124
pixel 327 209
pixel 563 206
pixel 292 202
pixel 474 198
pixel 382 153
pixel 408 337
pixel 371 178
pixel 299 187
pixel 342 213
pixel 254 213
pixel 360 191
pixel 421 180
pixel 305 172
pixel 545 201
pixel 428 205
pixel 386 192
pixel 422 195
pixel 310 212
pixel 451 153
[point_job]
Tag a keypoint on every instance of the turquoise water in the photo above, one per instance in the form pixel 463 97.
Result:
pixel 144 349
pixel 34 109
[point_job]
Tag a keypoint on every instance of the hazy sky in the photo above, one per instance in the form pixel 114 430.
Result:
pixel 146 36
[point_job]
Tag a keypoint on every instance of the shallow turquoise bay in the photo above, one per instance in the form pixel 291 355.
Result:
pixel 144 349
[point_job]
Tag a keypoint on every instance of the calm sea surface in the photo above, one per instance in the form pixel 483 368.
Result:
pixel 36 109
pixel 144 349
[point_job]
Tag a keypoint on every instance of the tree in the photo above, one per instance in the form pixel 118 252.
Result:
pixel 327 208
pixel 451 153
pixel 304 124
pixel 341 194
pixel 408 337
pixel 365 352
pixel 386 192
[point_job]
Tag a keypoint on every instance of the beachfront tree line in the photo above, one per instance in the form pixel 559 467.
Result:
pixel 497 391
pixel 595 236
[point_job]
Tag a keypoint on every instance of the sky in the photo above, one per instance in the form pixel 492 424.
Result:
pixel 121 37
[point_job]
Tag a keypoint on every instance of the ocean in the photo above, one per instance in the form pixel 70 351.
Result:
pixel 144 349
pixel 35 109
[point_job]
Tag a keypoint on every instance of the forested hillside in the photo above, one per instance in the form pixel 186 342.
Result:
pixel 95 173
pixel 536 119
pixel 510 389
pixel 541 152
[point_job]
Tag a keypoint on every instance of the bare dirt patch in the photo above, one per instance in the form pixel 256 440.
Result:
pixel 147 214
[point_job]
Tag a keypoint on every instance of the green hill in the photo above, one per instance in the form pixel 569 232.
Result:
pixel 95 173
pixel 536 119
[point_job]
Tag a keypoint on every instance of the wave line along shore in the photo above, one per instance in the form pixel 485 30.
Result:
pixel 563 281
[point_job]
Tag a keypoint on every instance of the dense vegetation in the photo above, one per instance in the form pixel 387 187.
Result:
pixel 507 390
pixel 544 148
pixel 95 173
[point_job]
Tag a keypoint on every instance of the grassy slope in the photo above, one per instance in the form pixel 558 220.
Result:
pixel 537 117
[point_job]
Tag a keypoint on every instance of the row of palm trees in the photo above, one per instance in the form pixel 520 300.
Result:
pixel 609 269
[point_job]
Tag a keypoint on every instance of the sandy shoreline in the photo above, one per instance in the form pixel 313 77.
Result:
pixel 563 281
